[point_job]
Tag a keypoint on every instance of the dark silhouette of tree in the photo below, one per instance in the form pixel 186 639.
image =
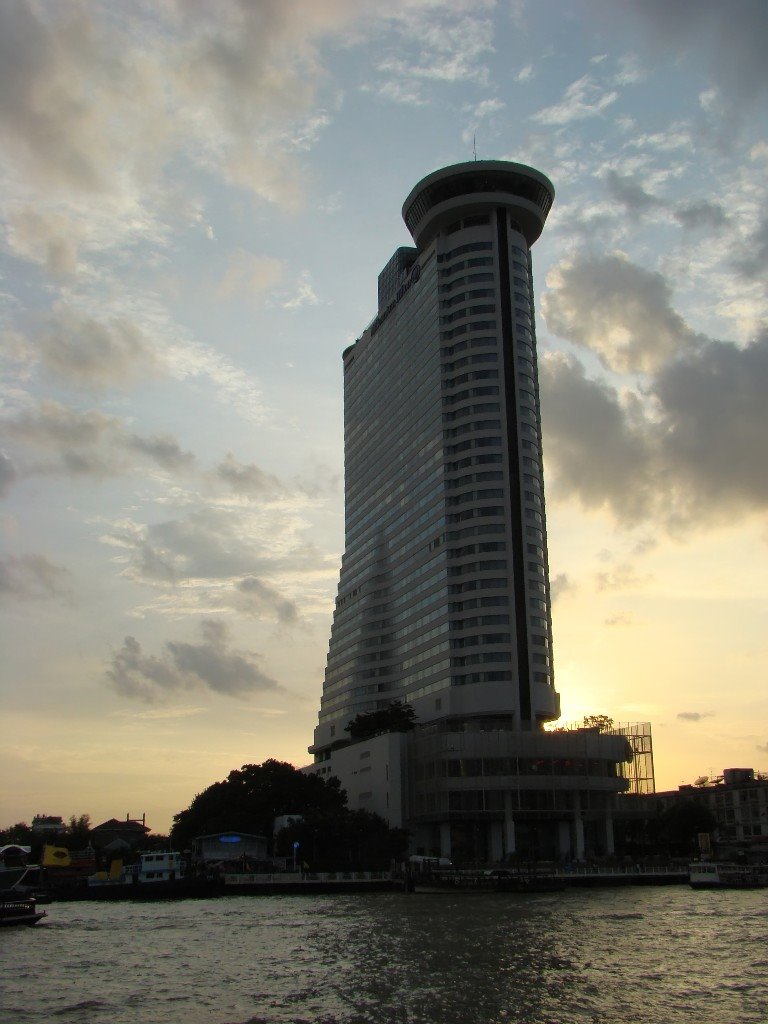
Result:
pixel 600 722
pixel 347 840
pixel 19 834
pixel 330 836
pixel 77 834
pixel 396 717
pixel 676 829
pixel 250 798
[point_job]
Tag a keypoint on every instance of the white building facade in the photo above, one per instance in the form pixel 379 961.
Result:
pixel 444 599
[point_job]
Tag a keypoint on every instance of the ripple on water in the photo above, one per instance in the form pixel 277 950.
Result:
pixel 585 957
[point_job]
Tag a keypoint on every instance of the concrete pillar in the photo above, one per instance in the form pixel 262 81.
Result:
pixel 578 828
pixel 610 848
pixel 578 831
pixel 509 825
pixel 564 839
pixel 497 841
pixel 445 839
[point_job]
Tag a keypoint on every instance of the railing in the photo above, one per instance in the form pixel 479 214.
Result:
pixel 297 877
pixel 605 870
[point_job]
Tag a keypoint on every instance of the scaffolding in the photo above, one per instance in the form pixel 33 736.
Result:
pixel 638 771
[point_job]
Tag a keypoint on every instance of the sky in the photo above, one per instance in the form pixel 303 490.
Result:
pixel 196 200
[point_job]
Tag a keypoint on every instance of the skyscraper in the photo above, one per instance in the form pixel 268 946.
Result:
pixel 443 599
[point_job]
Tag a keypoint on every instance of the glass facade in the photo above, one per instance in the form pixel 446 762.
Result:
pixel 443 596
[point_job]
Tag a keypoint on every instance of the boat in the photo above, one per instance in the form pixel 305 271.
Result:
pixel 26 882
pixel 723 875
pixel 153 868
pixel 18 910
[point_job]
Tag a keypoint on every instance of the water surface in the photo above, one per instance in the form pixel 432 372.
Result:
pixel 644 955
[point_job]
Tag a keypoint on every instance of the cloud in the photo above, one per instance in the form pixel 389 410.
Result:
pixel 305 293
pixel 583 99
pixel 211 664
pixel 221 557
pixel 433 43
pixel 162 449
pixel 250 274
pixel 83 351
pixel 687 449
pixel 621 311
pixel 50 122
pixel 621 577
pixel 560 585
pixel 89 443
pixel 752 262
pixel 210 544
pixel 247 478
pixel 55 426
pixel 256 596
pixel 247 79
pixel 701 213
pixel 715 422
pixel 629 192
pixel 233 388
pixel 693 716
pixel 620 619
pixel 8 474
pixel 593 447
pixel 45 237
pixel 762 747
pixel 630 72
pixel 728 38
pixel 220 669
pixel 31 577
pixel 93 103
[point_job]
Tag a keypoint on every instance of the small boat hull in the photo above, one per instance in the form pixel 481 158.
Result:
pixel 15 912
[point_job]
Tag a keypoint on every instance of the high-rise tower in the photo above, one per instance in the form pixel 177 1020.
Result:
pixel 443 597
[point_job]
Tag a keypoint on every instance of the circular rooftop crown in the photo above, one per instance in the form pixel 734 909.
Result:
pixel 472 186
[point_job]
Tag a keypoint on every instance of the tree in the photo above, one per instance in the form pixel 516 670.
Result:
pixel 396 717
pixel 343 840
pixel 250 798
pixel 600 722
pixel 77 834
pixel 19 834
pixel 676 829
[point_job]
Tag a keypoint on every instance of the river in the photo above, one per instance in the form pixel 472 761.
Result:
pixel 603 956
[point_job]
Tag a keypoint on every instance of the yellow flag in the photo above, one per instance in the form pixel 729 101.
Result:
pixel 56 857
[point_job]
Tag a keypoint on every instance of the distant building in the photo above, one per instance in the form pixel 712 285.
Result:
pixel 223 846
pixel 738 799
pixel 47 824
pixel 444 597
pixel 115 835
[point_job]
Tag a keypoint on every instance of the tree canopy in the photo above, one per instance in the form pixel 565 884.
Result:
pixel 396 717
pixel 346 840
pixel 330 836
pixel 603 723
pixel 677 827
pixel 251 797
